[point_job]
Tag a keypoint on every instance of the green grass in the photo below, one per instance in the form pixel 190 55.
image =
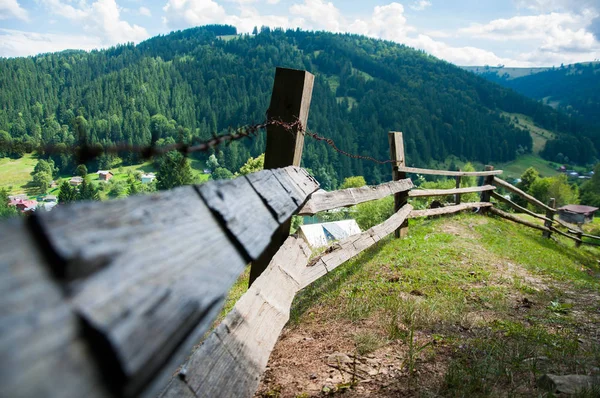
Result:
pixel 516 168
pixel 481 295
pixel 15 174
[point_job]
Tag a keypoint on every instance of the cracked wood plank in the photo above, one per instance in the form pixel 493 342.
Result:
pixel 322 200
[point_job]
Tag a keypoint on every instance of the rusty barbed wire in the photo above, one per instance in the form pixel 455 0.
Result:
pixel 331 143
pixel 84 152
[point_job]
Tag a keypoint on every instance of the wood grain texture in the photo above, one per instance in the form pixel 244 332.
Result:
pixel 322 200
pixel 40 339
pixel 290 102
pixel 448 209
pixel 146 276
pixel 348 248
pixel 171 267
pixel 517 207
pixel 418 193
pixel 503 184
pixel 230 362
pixel 414 170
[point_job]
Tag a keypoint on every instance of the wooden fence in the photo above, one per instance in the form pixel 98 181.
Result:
pixel 109 299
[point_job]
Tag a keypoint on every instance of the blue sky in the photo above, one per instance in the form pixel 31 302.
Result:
pixel 467 32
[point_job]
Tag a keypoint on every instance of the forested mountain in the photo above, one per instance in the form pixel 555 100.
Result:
pixel 573 89
pixel 190 84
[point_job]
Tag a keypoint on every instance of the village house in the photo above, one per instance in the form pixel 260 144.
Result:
pixel 105 175
pixel 24 205
pixel 76 181
pixel 577 214
pixel 147 178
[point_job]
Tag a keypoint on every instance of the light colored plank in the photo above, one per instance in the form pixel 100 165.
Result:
pixel 418 193
pixel 415 170
pixel 322 200
pixel 503 184
pixel 448 209
pixel 229 363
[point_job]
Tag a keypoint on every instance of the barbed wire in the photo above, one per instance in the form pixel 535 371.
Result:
pixel 84 152
pixel 331 143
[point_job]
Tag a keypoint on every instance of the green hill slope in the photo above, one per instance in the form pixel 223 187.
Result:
pixel 469 316
pixel 190 84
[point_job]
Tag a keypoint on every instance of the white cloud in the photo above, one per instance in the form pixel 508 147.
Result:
pixel 528 27
pixel 420 5
pixel 12 9
pixel 144 11
pixel 15 43
pixel 193 12
pixel 545 6
pixel 102 19
pixel 319 15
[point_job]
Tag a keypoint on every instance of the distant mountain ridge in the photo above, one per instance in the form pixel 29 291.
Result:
pixel 190 84
pixel 574 89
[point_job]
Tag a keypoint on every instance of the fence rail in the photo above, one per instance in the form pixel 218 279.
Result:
pixel 448 173
pixel 109 299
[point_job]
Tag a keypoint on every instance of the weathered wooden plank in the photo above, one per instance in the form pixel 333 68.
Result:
pixel 171 266
pixel 163 264
pixel 418 193
pixel 517 207
pixel 322 200
pixel 240 209
pixel 415 170
pixel 40 340
pixel 348 248
pixel 510 217
pixel 229 363
pixel 448 209
pixel 503 184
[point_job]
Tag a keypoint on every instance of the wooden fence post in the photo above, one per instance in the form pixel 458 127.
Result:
pixel 457 196
pixel 489 180
pixel 290 101
pixel 400 199
pixel 550 216
pixel 579 235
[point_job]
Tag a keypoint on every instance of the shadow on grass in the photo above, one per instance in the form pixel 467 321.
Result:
pixel 332 281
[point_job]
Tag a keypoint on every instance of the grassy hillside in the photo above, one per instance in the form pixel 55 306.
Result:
pixel 469 316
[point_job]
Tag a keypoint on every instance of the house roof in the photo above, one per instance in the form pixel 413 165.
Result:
pixel 80 179
pixel 105 172
pixel 580 209
pixel 27 204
